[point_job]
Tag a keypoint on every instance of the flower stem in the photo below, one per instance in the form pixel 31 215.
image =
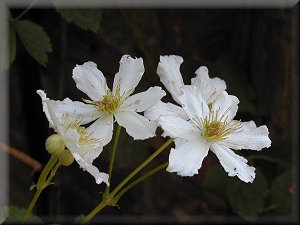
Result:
pixel 26 10
pixel 109 199
pixel 140 167
pixel 139 180
pixel 112 158
pixel 93 213
pixel 41 184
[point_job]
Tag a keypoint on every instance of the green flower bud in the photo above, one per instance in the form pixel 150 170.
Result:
pixel 54 144
pixel 66 158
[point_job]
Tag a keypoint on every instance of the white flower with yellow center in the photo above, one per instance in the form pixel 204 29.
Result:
pixel 104 105
pixel 169 72
pixel 81 141
pixel 211 126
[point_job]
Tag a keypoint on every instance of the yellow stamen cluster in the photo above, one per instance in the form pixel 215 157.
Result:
pixel 216 129
pixel 85 138
pixel 110 102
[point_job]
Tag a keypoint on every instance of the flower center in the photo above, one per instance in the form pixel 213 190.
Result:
pixel 214 129
pixel 110 103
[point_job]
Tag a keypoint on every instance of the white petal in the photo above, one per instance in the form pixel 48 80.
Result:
pixel 85 154
pixel 168 70
pixel 234 164
pixel 102 129
pixel 129 75
pixel 85 112
pixel 226 106
pixel 136 126
pixel 177 127
pixel 165 109
pixel 44 97
pixel 193 104
pixel 90 80
pixel 144 100
pixel 249 137
pixel 187 159
pixel 209 88
pixel 57 122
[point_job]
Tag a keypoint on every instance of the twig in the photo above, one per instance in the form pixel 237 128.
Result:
pixel 35 165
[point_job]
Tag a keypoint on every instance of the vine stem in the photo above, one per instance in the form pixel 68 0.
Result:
pixel 140 167
pixel 112 158
pixel 139 180
pixel 41 184
pixel 26 10
pixel 109 200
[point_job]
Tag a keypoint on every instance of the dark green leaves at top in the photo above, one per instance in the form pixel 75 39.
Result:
pixel 15 215
pixel 34 39
pixel 247 199
pixel 87 19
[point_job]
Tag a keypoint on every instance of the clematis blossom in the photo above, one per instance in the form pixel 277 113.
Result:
pixel 168 70
pixel 211 126
pixel 104 106
pixel 81 141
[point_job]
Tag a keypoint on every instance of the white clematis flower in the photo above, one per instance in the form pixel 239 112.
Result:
pixel 211 126
pixel 105 105
pixel 169 72
pixel 82 142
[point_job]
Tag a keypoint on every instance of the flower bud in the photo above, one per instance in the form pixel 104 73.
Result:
pixel 54 144
pixel 66 158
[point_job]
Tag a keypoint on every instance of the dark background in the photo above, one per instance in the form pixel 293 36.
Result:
pixel 251 49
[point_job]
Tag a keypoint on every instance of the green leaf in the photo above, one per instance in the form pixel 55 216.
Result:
pixel 34 39
pixel 87 19
pixel 282 192
pixel 15 215
pixel 247 199
pixel 12 44
pixel 215 178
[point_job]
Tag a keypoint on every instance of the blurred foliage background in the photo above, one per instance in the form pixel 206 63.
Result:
pixel 251 49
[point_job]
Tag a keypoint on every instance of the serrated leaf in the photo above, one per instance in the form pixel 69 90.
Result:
pixel 12 44
pixel 215 178
pixel 15 215
pixel 282 192
pixel 248 199
pixel 35 40
pixel 87 19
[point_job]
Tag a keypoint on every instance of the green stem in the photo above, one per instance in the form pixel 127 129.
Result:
pixel 109 200
pixel 139 180
pixel 52 174
pixel 26 10
pixel 32 203
pixel 140 167
pixel 112 158
pixel 93 213
pixel 41 184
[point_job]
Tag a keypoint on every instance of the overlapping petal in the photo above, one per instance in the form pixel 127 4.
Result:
pixel 249 137
pixel 177 127
pixel 137 126
pixel 165 109
pixel 193 104
pixel 210 88
pixel 187 159
pixel 169 72
pixel 226 106
pixel 90 80
pixel 143 100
